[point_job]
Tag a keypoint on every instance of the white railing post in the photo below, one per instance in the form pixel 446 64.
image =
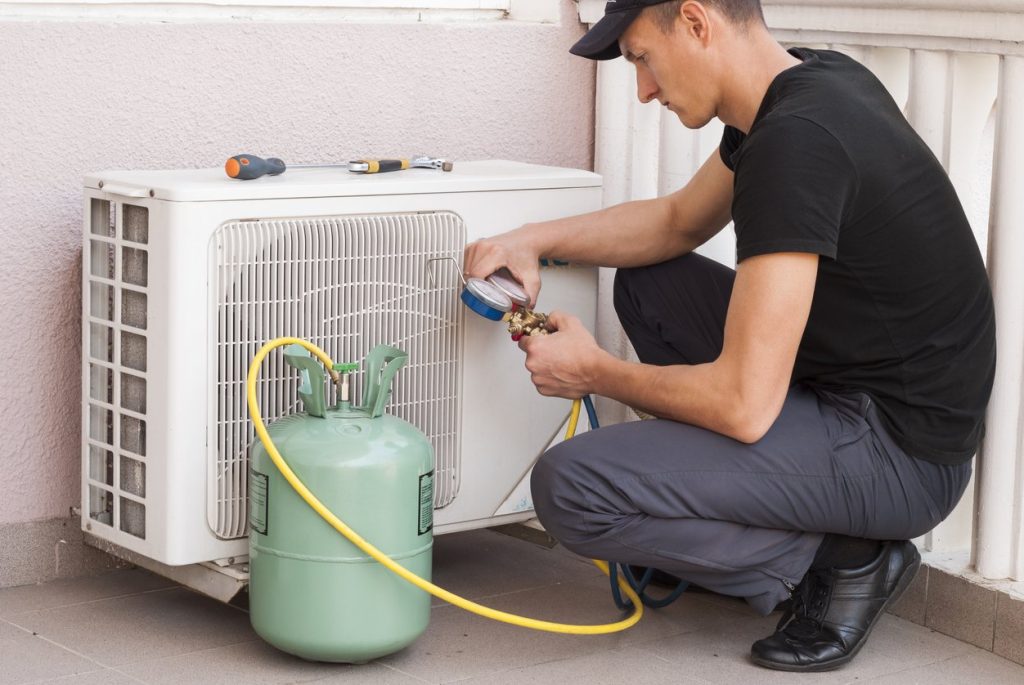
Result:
pixel 928 103
pixel 626 154
pixel 627 142
pixel 998 546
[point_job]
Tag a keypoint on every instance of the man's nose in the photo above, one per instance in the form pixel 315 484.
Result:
pixel 646 86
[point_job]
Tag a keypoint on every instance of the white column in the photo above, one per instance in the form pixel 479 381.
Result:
pixel 627 155
pixel 975 82
pixel 929 98
pixel 613 138
pixel 892 67
pixel 680 154
pixel 998 546
pixel 973 86
pixel 628 136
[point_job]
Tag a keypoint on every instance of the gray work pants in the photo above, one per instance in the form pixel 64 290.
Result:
pixel 739 519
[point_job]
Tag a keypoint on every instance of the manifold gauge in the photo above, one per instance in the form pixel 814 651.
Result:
pixel 505 282
pixel 486 299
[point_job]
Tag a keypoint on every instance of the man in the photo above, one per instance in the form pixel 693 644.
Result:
pixel 820 405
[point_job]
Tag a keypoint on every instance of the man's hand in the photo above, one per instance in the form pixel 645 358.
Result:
pixel 564 362
pixel 510 250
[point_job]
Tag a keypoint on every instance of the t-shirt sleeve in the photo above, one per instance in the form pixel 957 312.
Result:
pixel 732 138
pixel 793 183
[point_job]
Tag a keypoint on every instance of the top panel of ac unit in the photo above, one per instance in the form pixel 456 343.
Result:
pixel 198 185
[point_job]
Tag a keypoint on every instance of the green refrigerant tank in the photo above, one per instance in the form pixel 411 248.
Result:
pixel 313 593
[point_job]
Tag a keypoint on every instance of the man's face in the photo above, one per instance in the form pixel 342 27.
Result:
pixel 670 68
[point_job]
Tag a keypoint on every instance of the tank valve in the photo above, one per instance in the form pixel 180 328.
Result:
pixel 341 379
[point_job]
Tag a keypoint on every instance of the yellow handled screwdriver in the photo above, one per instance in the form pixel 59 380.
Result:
pixel 246 167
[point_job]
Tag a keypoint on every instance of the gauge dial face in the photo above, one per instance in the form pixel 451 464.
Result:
pixel 489 294
pixel 505 282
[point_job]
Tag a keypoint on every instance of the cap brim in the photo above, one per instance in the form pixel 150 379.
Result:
pixel 602 40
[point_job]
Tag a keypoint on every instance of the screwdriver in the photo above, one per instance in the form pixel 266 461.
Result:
pixel 247 167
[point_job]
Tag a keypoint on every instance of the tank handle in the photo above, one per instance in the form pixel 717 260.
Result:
pixel 382 364
pixel 311 387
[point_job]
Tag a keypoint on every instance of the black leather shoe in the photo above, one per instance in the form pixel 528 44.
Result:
pixel 834 610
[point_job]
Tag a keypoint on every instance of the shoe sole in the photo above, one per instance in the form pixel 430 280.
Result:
pixel 901 585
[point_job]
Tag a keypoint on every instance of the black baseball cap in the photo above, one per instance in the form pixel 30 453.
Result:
pixel 602 40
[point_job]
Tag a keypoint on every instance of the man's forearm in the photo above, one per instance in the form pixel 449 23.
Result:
pixel 700 395
pixel 741 392
pixel 630 234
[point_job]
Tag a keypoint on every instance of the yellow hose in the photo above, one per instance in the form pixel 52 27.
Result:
pixel 390 564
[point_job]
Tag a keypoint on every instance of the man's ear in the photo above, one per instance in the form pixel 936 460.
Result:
pixel 695 20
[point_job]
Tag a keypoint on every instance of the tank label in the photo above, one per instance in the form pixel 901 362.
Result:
pixel 426 504
pixel 258 483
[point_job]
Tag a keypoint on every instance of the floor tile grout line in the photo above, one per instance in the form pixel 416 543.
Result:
pixel 181 654
pixel 89 601
pixel 565 659
pixel 516 668
pixel 50 679
pixel 129 676
pixel 405 673
pixel 102 666
pixel 676 665
pixel 909 668
pixel 21 628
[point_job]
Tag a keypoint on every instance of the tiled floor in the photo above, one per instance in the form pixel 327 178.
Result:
pixel 133 627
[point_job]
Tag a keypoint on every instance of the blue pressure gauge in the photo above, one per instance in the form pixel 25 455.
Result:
pixel 486 299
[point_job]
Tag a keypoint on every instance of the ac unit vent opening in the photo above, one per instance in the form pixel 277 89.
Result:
pixel 115 302
pixel 346 283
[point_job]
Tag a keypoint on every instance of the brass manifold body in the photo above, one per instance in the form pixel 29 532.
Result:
pixel 522 321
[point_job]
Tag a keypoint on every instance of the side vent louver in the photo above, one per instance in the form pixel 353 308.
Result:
pixel 116 297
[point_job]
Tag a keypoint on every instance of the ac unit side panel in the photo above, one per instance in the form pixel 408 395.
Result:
pixel 512 424
pixel 157 441
pixel 507 424
pixel 119 503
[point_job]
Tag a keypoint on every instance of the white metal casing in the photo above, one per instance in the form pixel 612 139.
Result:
pixel 503 424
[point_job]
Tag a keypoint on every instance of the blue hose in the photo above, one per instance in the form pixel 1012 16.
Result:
pixel 588 404
pixel 640 587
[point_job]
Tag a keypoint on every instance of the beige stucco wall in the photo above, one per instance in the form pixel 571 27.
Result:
pixel 83 96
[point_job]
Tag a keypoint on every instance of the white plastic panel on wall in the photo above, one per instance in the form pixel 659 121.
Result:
pixel 348 283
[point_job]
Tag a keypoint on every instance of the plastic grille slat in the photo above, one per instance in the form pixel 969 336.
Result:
pixel 345 283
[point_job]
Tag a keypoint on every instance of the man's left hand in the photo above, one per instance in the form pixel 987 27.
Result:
pixel 564 362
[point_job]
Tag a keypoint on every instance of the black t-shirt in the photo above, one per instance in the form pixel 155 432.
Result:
pixel 902 306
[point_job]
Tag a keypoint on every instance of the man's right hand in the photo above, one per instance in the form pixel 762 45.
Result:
pixel 510 250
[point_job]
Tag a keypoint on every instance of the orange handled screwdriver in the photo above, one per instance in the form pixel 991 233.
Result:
pixel 247 167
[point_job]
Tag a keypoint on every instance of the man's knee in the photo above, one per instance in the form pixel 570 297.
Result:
pixel 558 495
pixel 548 484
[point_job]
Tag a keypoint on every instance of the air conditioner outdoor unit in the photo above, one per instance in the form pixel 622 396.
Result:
pixel 186 273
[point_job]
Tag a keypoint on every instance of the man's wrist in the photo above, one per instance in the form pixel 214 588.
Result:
pixel 533 238
pixel 605 372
